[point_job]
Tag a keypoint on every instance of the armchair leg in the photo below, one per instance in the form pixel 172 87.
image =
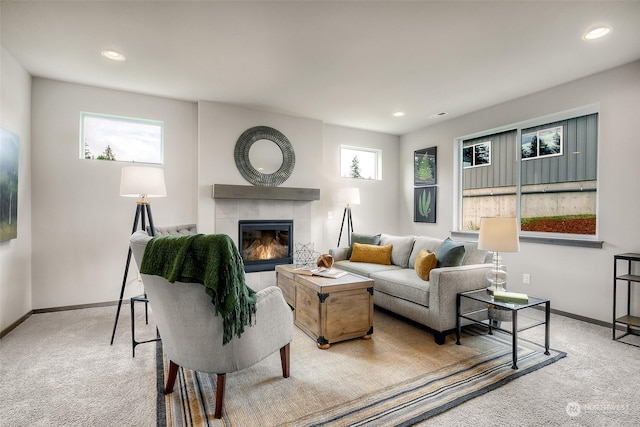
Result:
pixel 171 378
pixel 221 380
pixel 285 357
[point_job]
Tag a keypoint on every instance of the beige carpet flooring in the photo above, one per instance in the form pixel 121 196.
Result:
pixel 399 376
pixel 58 369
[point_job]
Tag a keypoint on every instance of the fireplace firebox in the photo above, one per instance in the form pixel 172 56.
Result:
pixel 265 243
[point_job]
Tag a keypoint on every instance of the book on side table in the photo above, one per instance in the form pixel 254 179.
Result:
pixel 504 296
pixel 332 273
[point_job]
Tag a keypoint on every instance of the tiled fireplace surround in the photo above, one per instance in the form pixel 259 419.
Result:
pixel 229 211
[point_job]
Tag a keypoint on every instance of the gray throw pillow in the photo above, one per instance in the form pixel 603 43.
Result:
pixel 402 246
pixel 450 253
pixel 367 239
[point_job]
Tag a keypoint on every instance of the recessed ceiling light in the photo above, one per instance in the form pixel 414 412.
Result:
pixel 596 33
pixel 436 115
pixel 113 55
pixel 398 114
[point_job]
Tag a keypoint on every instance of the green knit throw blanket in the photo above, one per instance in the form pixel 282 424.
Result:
pixel 212 260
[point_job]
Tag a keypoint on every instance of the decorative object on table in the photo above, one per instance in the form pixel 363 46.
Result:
pixel 504 296
pixel 424 204
pixel 304 256
pixel 264 144
pixel 425 166
pixel 142 182
pixel 348 196
pixel 324 260
pixel 9 163
pixel 498 234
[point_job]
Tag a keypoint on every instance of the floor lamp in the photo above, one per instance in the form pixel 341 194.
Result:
pixel 142 182
pixel 348 196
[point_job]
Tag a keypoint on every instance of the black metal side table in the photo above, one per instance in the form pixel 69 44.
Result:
pixel 480 316
pixel 140 298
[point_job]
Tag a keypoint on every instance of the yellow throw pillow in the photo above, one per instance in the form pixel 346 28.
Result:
pixel 425 262
pixel 371 253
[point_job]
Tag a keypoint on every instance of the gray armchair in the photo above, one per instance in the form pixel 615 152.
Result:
pixel 192 334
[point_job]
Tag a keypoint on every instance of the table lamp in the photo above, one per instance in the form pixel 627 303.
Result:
pixel 498 234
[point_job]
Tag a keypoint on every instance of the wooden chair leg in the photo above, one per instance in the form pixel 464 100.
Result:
pixel 222 378
pixel 285 358
pixel 171 378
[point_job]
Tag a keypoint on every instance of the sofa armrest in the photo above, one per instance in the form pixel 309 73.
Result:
pixel 339 254
pixel 445 283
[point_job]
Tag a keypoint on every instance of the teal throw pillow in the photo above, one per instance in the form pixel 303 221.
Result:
pixel 450 253
pixel 367 239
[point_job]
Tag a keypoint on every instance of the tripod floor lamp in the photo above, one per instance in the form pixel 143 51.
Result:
pixel 348 196
pixel 142 182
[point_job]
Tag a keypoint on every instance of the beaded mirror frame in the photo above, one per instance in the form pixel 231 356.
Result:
pixel 248 171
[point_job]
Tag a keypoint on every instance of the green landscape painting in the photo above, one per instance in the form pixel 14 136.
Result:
pixel 9 161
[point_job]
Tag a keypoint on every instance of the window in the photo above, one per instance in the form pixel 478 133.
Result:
pixel 476 154
pixel 546 175
pixel 123 139
pixel 542 143
pixel 363 163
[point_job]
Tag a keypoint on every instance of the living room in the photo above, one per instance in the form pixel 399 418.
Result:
pixel 66 205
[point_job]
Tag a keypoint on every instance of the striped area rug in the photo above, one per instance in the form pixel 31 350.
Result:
pixel 398 378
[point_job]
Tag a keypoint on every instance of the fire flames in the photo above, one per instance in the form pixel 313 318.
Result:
pixel 265 247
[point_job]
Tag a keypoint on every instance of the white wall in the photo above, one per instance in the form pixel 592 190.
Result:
pixel 379 200
pixel 81 225
pixel 15 255
pixel 220 126
pixel 577 280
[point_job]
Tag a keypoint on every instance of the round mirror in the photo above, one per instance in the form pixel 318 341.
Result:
pixel 265 156
pixel 273 160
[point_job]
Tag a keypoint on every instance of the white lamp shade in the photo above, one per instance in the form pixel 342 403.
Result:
pixel 142 181
pixel 499 235
pixel 349 196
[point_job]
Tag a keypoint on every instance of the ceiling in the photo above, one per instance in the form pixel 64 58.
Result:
pixel 347 63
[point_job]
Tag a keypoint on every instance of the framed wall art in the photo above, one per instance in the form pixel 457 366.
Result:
pixel 424 204
pixel 425 166
pixel 9 162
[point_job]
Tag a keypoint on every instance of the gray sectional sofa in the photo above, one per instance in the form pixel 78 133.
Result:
pixel 398 288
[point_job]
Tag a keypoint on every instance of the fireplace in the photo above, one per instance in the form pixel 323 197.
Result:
pixel 265 243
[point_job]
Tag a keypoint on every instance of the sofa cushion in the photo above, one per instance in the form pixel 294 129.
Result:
pixel 425 262
pixel 403 283
pixel 371 253
pixel 363 268
pixel 450 253
pixel 402 246
pixel 369 239
pixel 473 255
pixel 423 242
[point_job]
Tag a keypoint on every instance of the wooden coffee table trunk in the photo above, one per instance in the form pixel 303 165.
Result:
pixel 329 310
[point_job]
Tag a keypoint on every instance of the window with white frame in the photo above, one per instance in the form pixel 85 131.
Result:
pixel 125 139
pixel 478 154
pixel 545 174
pixel 360 163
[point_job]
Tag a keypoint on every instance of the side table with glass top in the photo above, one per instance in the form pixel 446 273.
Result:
pixel 480 315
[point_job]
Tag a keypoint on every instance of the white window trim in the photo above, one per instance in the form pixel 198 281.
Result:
pixel 160 123
pixel 378 166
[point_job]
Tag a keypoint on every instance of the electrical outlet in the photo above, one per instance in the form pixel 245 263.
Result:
pixel 526 278
pixel 329 215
